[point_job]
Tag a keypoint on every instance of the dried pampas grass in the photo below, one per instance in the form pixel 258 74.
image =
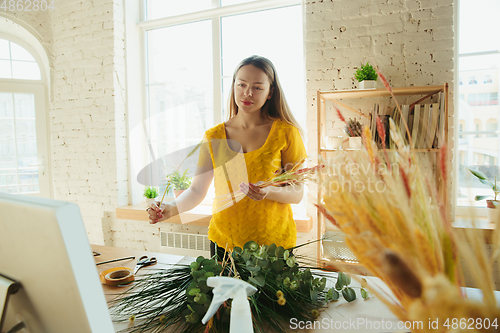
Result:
pixel 394 222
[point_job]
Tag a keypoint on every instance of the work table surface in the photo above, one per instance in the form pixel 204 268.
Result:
pixel 338 313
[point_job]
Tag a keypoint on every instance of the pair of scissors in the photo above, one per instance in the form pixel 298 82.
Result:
pixel 144 261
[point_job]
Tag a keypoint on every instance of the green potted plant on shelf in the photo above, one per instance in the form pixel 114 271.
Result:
pixel 366 76
pixel 353 130
pixel 150 193
pixel 179 181
pixel 493 211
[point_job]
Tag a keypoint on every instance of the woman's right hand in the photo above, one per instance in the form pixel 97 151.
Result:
pixel 157 214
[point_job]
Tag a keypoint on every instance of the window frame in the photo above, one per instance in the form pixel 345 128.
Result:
pixel 136 28
pixel 37 89
pixel 40 89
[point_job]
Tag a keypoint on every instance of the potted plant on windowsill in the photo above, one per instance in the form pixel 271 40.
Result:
pixel 353 130
pixel 179 181
pixel 493 211
pixel 366 76
pixel 150 193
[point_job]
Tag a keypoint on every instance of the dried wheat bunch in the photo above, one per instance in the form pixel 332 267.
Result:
pixel 394 222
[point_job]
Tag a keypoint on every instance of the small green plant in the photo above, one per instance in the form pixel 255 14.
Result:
pixel 366 72
pixel 179 181
pixel 150 192
pixel 484 179
pixel 353 128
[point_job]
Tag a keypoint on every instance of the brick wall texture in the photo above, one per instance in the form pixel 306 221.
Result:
pixel 85 44
pixel 412 42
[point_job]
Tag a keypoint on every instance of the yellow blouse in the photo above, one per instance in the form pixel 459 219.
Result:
pixel 239 219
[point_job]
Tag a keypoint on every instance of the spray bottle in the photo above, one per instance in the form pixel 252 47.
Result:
pixel 227 287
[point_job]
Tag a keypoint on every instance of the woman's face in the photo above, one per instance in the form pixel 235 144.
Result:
pixel 251 89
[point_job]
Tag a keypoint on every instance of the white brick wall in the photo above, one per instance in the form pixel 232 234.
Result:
pixel 37 23
pixel 88 109
pixel 85 44
pixel 141 235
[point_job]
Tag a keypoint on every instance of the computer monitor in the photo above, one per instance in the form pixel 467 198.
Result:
pixel 44 247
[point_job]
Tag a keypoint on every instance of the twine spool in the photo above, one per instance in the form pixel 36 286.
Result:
pixel 115 277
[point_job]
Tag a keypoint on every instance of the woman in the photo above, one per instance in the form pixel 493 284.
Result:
pixel 260 137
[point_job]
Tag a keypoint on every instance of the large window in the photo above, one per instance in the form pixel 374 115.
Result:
pixel 16 62
pixel 192 49
pixel 179 85
pixel 478 110
pixel 23 138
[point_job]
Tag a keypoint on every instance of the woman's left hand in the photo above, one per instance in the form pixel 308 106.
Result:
pixel 253 191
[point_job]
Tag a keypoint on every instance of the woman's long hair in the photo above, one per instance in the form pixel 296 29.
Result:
pixel 276 107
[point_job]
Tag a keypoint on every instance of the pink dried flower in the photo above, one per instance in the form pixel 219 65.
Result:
pixel 406 182
pixel 443 164
pixel 327 215
pixel 340 115
pixel 289 177
pixel 381 131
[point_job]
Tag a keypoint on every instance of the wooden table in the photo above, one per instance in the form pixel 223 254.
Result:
pixel 109 253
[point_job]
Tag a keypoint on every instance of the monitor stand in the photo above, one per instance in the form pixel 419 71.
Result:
pixel 8 287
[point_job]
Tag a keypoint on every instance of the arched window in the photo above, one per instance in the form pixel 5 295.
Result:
pixel 23 129
pixel 17 63
pixel 488 79
pixel 472 80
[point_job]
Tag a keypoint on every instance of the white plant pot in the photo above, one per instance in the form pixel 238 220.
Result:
pixel 367 84
pixel 355 142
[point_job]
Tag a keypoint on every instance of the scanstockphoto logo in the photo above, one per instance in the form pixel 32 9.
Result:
pixel 218 156
pixel 357 177
pixel 223 157
pixel 357 325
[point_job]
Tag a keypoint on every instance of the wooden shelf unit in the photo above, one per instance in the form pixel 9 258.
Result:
pixel 323 96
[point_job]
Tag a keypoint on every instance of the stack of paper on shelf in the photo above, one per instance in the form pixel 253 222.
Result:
pixel 425 123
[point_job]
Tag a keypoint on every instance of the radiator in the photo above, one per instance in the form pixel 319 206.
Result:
pixel 185 244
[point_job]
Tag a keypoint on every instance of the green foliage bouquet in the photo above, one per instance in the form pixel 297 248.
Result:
pixel 179 297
